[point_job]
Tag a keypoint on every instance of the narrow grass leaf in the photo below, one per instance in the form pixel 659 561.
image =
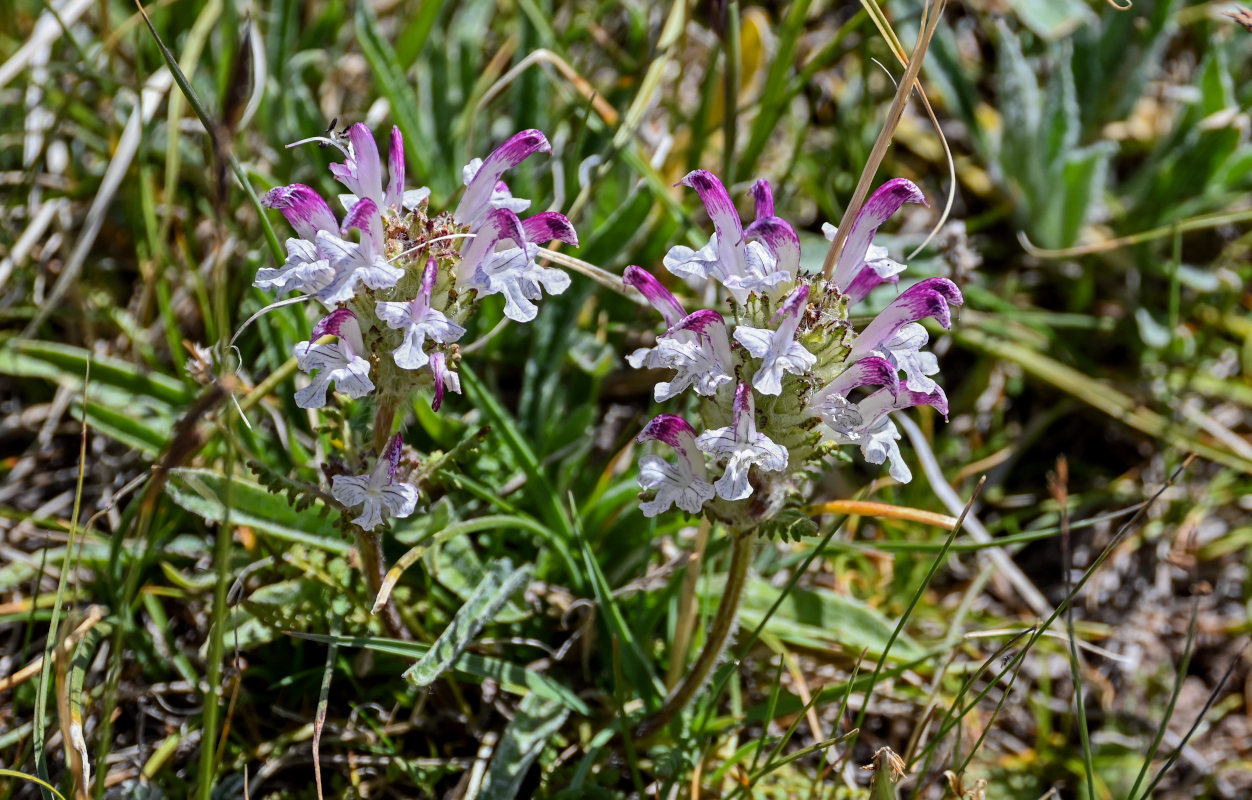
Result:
pixel 1099 395
pixel 819 619
pixel 276 247
pixel 43 785
pixel 537 484
pixel 392 84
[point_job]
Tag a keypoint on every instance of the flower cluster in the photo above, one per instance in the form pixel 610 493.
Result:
pixel 776 376
pixel 400 281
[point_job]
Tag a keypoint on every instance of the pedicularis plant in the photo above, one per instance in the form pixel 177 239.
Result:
pixel 775 369
pixel 398 292
pixel 398 295
pixel 775 372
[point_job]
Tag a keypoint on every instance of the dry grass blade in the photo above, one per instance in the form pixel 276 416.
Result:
pixel 933 11
pixel 866 508
pixel 1003 562
pixel 146 104
pixel 687 607
pixel 1197 223
pixel 94 615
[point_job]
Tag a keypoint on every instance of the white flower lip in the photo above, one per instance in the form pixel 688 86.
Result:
pixel 685 483
pixel 376 491
pixel 778 350
pixel 338 362
pixel 741 447
pixel 419 322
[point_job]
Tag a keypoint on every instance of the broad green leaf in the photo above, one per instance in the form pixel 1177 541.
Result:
pixel 458 567
pixel 1052 19
pixel 499 582
pixel 200 492
pixel 533 726
pixel 820 618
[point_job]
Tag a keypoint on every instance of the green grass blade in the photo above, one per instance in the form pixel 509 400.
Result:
pixel 276 248
pixel 512 677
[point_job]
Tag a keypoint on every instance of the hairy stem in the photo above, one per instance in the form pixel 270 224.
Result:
pixel 724 621
pixel 384 418
pixel 370 551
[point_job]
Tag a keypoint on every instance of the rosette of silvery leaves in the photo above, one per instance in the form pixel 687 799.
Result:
pixel 781 376
pixel 400 281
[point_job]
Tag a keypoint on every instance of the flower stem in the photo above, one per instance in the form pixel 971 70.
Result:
pixel 370 552
pixel 384 417
pixel 724 622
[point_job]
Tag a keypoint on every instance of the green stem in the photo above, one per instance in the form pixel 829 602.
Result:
pixel 724 621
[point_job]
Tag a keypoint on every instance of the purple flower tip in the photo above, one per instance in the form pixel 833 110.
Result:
pixel 549 225
pixel 878 371
pixel 532 140
pixel 361 215
pixel 795 302
pixel 764 197
pixel 944 287
pixel 705 183
pixel 392 455
pixel 934 398
pixel 331 323
pixel 743 400
pixel 698 321
pixel 666 428
pixel 926 302
pixel 428 277
pixel 896 192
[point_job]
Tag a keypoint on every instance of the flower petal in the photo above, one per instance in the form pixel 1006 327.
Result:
pixel 548 225
pixel 764 197
pixel 303 207
pixel 395 169
pixel 781 240
pixel 476 201
pixel 662 299
pixel 880 206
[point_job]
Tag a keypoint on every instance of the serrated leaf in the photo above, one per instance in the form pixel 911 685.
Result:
pixel 200 491
pixel 511 677
pixel 789 525
pixel 498 584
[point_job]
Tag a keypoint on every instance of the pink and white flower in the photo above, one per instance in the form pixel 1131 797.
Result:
pixel 376 492
pixel 683 483
pixel 419 322
pixel 339 362
pixel 741 447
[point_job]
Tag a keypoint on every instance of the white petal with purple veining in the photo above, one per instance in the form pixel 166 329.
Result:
pixel 305 270
pixel 741 447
